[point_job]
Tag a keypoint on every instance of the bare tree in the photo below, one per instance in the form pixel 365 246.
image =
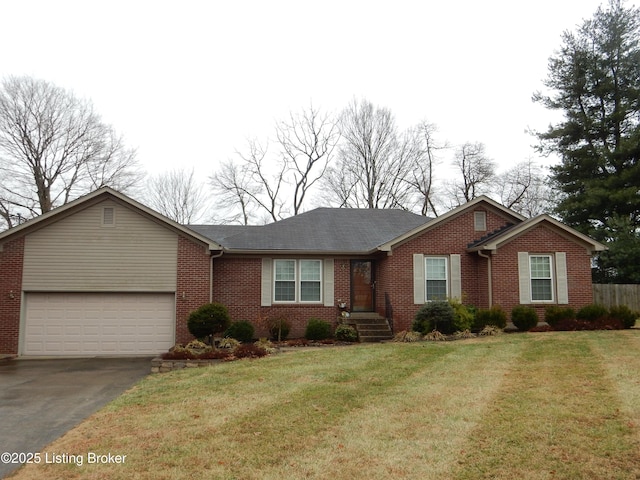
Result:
pixel 373 163
pixel 54 148
pixel 233 192
pixel 276 181
pixel 307 141
pixel 421 177
pixel 177 195
pixel 476 173
pixel 524 188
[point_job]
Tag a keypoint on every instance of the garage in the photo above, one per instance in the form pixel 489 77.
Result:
pixel 67 324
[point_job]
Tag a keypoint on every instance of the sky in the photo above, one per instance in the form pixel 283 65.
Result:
pixel 188 82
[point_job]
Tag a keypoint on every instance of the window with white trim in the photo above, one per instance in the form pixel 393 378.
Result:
pixel 480 221
pixel 541 276
pixel 297 281
pixel 436 277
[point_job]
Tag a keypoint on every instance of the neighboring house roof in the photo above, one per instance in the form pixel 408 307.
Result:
pixel 323 230
pixel 498 238
pixel 98 196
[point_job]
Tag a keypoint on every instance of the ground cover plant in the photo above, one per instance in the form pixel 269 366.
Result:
pixel 527 406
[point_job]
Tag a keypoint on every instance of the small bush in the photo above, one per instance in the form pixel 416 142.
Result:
pixel 434 316
pixel 229 343
pixel 317 329
pixel 279 328
pixel 266 345
pixel 523 317
pixel 435 336
pixel 464 334
pixel 241 331
pixel 404 336
pixel 249 350
pixel 492 316
pixel 591 313
pixel 624 314
pixel 554 314
pixel 208 319
pixel 463 315
pixel 489 330
pixel 346 333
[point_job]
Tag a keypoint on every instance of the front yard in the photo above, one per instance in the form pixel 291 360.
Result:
pixel 527 406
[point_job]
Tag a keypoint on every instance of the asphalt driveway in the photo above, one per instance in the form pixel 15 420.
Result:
pixel 42 399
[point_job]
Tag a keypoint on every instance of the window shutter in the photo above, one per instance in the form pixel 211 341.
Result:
pixel 456 277
pixel 418 279
pixel 561 277
pixel 327 273
pixel 524 278
pixel 266 282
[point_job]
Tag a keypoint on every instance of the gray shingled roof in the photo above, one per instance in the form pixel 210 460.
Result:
pixel 343 230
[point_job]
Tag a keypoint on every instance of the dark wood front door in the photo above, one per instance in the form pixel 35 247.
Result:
pixel 362 286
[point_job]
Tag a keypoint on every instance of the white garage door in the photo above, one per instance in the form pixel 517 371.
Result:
pixel 99 323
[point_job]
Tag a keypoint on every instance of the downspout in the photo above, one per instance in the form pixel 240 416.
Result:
pixel 211 275
pixel 489 283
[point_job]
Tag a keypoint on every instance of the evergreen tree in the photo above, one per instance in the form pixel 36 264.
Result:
pixel 595 81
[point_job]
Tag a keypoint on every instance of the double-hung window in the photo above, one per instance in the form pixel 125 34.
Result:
pixel 297 280
pixel 436 278
pixel 541 278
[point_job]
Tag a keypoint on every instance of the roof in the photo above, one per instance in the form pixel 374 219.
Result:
pixel 323 230
pixel 496 239
pixel 98 196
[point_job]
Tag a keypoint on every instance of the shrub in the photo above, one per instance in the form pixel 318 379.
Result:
pixel 435 336
pixel 229 343
pixel 207 320
pixel 404 336
pixel 279 328
pixel 249 350
pixel 492 316
pixel 266 345
pixel 241 331
pixel 346 333
pixel 464 334
pixel 434 316
pixel 523 317
pixel 317 329
pixel 591 313
pixel 489 330
pixel 555 315
pixel 624 314
pixel 463 315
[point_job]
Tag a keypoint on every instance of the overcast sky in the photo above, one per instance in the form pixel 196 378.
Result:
pixel 187 82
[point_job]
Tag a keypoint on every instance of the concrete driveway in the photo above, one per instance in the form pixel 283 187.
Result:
pixel 42 399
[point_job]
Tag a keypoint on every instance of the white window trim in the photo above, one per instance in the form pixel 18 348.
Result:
pixel 111 215
pixel 297 280
pixel 447 277
pixel 550 278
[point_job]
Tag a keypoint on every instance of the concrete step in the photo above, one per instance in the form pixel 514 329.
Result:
pixel 371 327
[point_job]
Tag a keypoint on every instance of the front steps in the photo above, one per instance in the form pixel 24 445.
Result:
pixel 371 327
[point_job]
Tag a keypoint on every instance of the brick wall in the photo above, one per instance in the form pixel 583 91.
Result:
pixel 237 285
pixel 192 283
pixel 542 240
pixel 452 236
pixel 11 260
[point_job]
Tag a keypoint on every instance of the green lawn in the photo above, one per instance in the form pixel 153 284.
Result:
pixel 522 406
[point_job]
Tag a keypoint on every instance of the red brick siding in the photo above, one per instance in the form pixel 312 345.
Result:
pixel 237 285
pixel 451 237
pixel 192 283
pixel 11 261
pixel 542 240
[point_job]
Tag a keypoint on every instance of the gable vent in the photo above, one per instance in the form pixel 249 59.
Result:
pixel 108 217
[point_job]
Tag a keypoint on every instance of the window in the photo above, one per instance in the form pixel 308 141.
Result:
pixel 436 278
pixel 108 217
pixel 297 280
pixel 541 279
pixel 480 221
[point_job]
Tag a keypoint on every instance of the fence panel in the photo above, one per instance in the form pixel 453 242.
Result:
pixel 611 295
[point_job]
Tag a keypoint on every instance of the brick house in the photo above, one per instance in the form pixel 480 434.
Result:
pixel 105 275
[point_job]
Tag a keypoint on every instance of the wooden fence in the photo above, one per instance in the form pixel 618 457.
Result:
pixel 610 295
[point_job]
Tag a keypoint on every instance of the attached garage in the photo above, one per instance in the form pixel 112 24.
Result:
pixel 98 323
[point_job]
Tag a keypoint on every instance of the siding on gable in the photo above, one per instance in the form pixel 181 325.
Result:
pixel 78 253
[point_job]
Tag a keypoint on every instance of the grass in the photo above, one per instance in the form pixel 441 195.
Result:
pixel 550 405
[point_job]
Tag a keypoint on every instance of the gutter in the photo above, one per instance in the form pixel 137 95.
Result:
pixel 211 275
pixel 489 279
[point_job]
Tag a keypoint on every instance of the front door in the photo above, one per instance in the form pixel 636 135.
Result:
pixel 362 286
